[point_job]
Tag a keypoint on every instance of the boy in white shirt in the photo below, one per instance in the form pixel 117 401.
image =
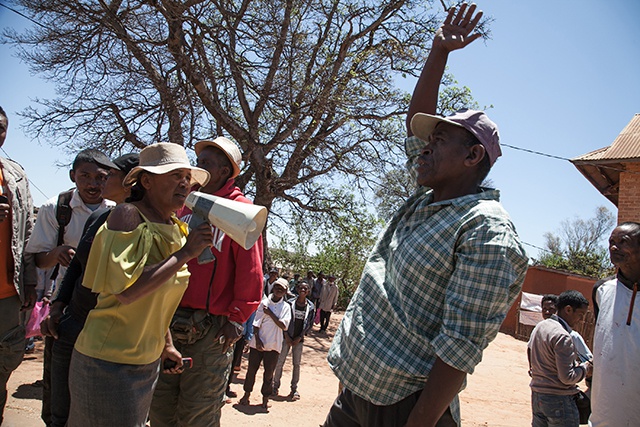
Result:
pixel 272 317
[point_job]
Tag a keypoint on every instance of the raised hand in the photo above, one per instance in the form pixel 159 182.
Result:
pixel 455 31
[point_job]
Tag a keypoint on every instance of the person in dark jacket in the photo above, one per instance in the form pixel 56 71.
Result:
pixel 302 314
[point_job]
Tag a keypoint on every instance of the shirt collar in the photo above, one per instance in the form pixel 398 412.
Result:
pixel 564 324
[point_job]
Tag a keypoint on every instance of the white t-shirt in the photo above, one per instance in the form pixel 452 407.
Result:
pixel 270 333
pixel 616 357
pixel 44 236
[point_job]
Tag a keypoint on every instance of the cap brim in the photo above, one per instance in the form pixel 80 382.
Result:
pixel 198 175
pixel 422 125
pixel 106 163
pixel 201 145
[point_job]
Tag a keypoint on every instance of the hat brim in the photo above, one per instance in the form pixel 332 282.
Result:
pixel 285 288
pixel 201 145
pixel 422 125
pixel 198 175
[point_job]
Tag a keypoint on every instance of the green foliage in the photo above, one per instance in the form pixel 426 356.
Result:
pixel 586 263
pixel 338 243
pixel 578 248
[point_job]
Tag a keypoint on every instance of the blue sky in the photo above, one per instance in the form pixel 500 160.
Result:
pixel 562 77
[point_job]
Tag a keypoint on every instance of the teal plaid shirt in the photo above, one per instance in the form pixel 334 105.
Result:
pixel 438 283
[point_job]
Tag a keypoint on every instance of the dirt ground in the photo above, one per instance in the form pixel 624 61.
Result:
pixel 497 394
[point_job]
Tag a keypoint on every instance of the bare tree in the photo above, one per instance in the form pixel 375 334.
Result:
pixel 306 87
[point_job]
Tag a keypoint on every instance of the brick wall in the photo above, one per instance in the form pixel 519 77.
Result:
pixel 629 193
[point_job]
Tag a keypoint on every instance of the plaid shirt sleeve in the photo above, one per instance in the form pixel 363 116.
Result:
pixel 489 269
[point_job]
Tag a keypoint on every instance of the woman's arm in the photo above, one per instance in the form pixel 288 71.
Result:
pixel 126 218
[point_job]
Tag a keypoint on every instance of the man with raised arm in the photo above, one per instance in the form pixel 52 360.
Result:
pixel 443 274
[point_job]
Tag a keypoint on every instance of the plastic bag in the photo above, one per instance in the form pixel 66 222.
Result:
pixel 317 318
pixel 38 313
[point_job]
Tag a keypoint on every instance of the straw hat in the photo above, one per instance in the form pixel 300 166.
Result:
pixel 228 148
pixel 165 157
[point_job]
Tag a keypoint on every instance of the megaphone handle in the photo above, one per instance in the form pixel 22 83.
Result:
pixel 196 219
pixel 206 256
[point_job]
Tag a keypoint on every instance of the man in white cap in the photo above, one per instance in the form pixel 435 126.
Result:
pixel 443 274
pixel 229 290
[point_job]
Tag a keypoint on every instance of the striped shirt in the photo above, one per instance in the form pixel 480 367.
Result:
pixel 438 283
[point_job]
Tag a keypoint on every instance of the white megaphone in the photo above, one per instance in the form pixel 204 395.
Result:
pixel 242 222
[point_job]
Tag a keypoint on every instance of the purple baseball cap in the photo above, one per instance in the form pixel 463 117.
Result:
pixel 474 121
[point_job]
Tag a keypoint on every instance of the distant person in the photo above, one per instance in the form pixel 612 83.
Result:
pixel 616 340
pixel 239 348
pixel 54 245
pixel 273 317
pixel 316 289
pixel 443 274
pixel 328 301
pixel 274 273
pixel 555 366
pixel 549 305
pixel 303 313
pixel 293 283
pixel 137 265
pixel 18 278
pixel 73 302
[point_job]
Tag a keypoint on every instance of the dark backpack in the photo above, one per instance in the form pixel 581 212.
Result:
pixel 63 215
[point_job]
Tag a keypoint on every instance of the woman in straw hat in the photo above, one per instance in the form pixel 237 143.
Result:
pixel 137 265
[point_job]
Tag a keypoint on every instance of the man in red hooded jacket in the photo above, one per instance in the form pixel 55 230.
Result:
pixel 229 289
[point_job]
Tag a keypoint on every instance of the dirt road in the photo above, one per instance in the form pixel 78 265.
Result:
pixel 497 394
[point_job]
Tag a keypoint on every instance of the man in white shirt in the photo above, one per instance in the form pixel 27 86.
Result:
pixel 89 173
pixel 616 339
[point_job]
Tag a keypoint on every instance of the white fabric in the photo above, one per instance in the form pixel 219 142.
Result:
pixel 270 334
pixel 616 359
pixel 531 302
pixel 530 309
pixel 530 318
pixel 45 232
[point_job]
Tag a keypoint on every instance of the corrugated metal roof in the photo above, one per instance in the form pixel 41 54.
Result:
pixel 602 167
pixel 625 147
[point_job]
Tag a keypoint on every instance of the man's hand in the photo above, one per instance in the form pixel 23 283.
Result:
pixel 198 240
pixel 30 297
pixel 455 32
pixel 230 334
pixel 63 254
pixel 268 312
pixel 49 325
pixel 259 344
pixel 170 352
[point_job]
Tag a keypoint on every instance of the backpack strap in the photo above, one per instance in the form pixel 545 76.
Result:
pixel 63 216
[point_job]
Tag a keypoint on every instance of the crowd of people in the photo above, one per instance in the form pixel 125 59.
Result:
pixel 140 331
